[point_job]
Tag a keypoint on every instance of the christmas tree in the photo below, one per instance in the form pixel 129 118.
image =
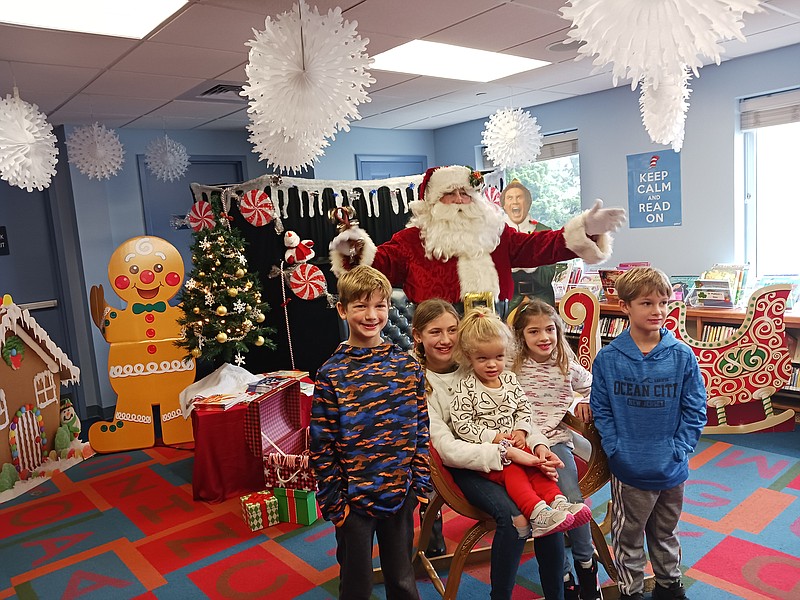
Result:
pixel 221 301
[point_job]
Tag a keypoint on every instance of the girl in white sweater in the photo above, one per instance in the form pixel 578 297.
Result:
pixel 550 375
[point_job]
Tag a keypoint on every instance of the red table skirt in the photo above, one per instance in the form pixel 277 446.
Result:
pixel 223 464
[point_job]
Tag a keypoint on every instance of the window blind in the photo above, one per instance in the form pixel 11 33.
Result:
pixel 558 145
pixel 771 109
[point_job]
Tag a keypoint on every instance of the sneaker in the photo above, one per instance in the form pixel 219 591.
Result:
pixel 548 521
pixel 675 591
pixel 578 510
pixel 587 579
pixel 571 589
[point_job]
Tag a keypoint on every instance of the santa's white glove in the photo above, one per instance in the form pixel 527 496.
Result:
pixel 598 220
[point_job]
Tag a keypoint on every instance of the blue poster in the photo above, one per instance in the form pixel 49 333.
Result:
pixel 654 189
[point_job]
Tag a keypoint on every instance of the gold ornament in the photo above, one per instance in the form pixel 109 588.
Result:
pixel 260 341
pixel 260 318
pixel 222 337
pixel 196 310
pixel 248 285
pixel 232 292
pixel 201 274
pixel 196 352
pixel 247 323
pixel 222 311
pixel 220 239
pixel 239 272
pixel 217 263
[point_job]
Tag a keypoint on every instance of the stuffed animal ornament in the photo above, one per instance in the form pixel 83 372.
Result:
pixel 297 250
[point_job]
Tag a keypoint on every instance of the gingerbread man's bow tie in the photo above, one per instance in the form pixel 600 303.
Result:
pixel 139 308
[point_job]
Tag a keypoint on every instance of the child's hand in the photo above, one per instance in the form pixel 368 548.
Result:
pixel 521 457
pixel 500 437
pixel 518 438
pixel 583 411
pixel 549 461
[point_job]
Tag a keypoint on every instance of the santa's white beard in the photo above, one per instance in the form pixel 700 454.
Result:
pixel 458 230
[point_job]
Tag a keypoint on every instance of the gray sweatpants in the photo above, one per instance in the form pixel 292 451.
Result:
pixel 638 513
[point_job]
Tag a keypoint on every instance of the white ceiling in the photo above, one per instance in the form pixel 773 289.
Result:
pixel 153 83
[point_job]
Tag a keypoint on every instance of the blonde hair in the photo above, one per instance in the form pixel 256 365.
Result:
pixel 562 353
pixel 360 282
pixel 640 281
pixel 426 312
pixel 479 326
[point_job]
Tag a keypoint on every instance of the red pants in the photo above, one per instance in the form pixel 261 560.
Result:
pixel 526 486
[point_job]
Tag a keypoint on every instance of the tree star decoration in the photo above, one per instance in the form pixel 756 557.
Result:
pixel 306 75
pixel 95 151
pixel 27 144
pixel 654 38
pixel 512 138
pixel 664 109
pixel 166 159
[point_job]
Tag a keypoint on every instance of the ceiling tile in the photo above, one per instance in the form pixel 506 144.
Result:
pixel 32 77
pixel 159 123
pixel 186 61
pixel 211 27
pixel 186 108
pixel 123 83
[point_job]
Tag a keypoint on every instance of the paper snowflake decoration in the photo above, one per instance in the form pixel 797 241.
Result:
pixel 95 151
pixel 205 244
pixel 664 109
pixel 166 159
pixel 27 145
pixel 512 138
pixel 238 359
pixel 654 37
pixel 190 284
pixel 306 75
pixel 239 306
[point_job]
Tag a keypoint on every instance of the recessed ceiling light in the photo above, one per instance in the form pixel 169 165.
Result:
pixel 434 59
pixel 121 19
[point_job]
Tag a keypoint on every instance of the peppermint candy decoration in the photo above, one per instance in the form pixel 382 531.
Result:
pixel 201 216
pixel 308 282
pixel 492 194
pixel 257 208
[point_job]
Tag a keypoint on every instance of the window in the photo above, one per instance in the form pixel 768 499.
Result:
pixel 45 387
pixel 553 180
pixel 771 126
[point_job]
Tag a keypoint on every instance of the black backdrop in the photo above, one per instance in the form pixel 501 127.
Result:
pixel 313 325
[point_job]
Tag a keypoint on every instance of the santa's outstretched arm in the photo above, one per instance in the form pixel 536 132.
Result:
pixel 589 234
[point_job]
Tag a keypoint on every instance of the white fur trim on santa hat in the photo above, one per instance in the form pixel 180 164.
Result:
pixel 339 247
pixel 478 275
pixel 582 245
pixel 447 179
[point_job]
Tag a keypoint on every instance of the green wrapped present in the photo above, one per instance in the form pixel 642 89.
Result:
pixel 260 509
pixel 296 506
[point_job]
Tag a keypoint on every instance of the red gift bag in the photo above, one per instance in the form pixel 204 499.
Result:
pixel 274 428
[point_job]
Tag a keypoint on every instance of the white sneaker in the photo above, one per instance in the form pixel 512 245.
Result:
pixel 548 521
pixel 581 513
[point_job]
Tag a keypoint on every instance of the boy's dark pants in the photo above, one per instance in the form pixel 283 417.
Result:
pixel 395 542
pixel 654 514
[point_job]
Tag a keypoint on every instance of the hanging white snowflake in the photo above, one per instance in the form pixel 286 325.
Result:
pixel 209 299
pixel 664 109
pixel 205 244
pixel 95 151
pixel 239 306
pixel 238 359
pixel 306 75
pixel 512 138
pixel 27 145
pixel 190 284
pixel 285 153
pixel 166 159
pixel 655 37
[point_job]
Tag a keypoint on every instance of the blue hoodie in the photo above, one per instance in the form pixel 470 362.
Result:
pixel 649 410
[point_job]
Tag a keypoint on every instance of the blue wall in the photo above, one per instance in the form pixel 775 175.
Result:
pixel 609 128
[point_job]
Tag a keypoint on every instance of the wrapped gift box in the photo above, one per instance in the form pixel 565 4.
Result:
pixel 296 506
pixel 260 509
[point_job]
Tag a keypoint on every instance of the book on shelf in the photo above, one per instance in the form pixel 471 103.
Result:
pixel 735 274
pixel 708 293
pixel 788 279
pixel 682 285
pixel 221 401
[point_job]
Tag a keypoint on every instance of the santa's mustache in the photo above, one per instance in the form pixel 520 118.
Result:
pixel 456 212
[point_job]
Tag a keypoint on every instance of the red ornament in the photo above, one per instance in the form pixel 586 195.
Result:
pixel 257 208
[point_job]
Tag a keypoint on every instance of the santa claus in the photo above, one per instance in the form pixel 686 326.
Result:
pixel 458 243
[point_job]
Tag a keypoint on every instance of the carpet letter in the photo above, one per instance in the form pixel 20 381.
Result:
pixel 751 571
pixel 54 546
pixel 151 512
pixel 225 588
pixel 712 501
pixel 764 471
pixel 179 546
pixel 74 589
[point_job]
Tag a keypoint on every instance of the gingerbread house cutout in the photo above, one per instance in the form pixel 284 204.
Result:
pixel 32 370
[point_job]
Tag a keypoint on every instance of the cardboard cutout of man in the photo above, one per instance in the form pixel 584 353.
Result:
pixel 516 201
pixel 457 242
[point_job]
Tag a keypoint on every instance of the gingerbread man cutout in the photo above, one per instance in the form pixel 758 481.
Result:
pixel 145 367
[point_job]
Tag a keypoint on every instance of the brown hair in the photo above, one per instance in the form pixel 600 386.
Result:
pixel 478 326
pixel 360 282
pixel 640 281
pixel 562 353
pixel 516 183
pixel 425 312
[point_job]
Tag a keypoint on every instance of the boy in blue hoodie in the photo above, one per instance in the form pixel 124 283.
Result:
pixel 369 442
pixel 649 405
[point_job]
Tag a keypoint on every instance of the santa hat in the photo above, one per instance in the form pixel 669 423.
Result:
pixel 440 180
